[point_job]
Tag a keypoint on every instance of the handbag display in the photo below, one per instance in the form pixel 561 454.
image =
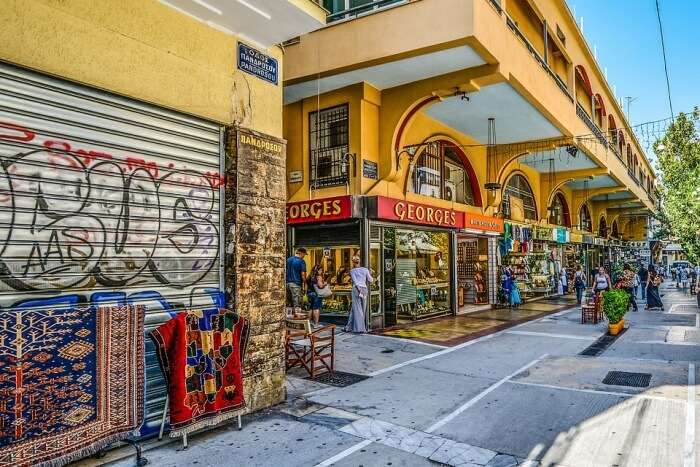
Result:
pixel 323 292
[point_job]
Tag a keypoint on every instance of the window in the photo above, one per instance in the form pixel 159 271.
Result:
pixel 559 211
pixel 328 145
pixel 440 172
pixel 615 232
pixel 584 217
pixel 561 35
pixel 603 228
pixel 518 200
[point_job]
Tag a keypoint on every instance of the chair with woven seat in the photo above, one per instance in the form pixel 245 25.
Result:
pixel 311 349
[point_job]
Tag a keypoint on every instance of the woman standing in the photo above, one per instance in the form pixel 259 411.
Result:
pixel 653 297
pixel 579 283
pixel 361 278
pixel 315 291
pixel 602 281
pixel 564 281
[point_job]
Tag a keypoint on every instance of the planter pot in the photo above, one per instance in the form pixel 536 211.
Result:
pixel 614 329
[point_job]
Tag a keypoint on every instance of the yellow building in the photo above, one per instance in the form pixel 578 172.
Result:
pixel 134 136
pixel 485 111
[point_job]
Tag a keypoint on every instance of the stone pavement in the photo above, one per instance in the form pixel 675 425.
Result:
pixel 521 396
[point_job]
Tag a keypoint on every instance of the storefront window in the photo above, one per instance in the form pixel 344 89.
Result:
pixel 559 211
pixel 422 274
pixel 472 271
pixel 440 173
pixel 518 199
pixel 335 263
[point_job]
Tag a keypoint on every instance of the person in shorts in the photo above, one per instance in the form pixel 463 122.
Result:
pixel 296 278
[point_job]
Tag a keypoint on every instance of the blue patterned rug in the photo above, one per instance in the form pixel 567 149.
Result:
pixel 71 382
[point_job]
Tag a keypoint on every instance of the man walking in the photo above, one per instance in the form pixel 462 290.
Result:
pixel 643 276
pixel 296 278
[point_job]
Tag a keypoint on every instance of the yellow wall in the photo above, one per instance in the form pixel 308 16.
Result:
pixel 144 50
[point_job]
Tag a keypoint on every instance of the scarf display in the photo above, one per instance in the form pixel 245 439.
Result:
pixel 200 353
pixel 71 382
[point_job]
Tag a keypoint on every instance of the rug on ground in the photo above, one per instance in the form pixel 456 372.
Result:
pixel 200 353
pixel 71 382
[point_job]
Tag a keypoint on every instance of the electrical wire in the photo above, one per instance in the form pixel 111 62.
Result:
pixel 663 49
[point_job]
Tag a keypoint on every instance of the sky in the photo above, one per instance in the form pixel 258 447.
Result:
pixel 625 34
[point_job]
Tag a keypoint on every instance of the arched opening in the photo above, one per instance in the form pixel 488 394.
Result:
pixel 584 92
pixel 518 200
pixel 584 219
pixel 603 227
pixel 629 156
pixel 614 232
pixel 559 211
pixel 621 143
pixel 599 110
pixel 612 130
pixel 443 171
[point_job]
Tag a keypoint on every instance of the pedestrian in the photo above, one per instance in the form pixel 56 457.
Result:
pixel 653 298
pixel 627 284
pixel 361 278
pixel 601 281
pixel 579 283
pixel 317 290
pixel 296 279
pixel 683 278
pixel 564 281
pixel 643 275
pixel 636 281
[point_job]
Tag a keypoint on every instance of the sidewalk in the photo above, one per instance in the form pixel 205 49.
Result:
pixel 521 396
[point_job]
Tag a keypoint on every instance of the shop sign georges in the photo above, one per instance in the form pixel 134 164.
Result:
pixel 406 211
pixel 319 210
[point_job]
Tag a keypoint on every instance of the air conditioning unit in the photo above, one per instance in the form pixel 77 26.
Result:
pixel 450 191
pixel 428 181
pixel 429 190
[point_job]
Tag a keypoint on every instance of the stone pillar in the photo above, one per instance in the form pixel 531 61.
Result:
pixel 255 256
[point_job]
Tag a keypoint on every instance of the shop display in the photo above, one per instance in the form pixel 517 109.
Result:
pixel 422 273
pixel 472 270
pixel 78 377
pixel 201 353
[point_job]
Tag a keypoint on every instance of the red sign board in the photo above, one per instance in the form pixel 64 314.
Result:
pixel 481 222
pixel 414 213
pixel 319 210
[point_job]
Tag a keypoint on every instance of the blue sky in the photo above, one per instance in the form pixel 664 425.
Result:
pixel 626 36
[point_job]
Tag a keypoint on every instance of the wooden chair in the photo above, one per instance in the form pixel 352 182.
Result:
pixel 311 349
pixel 592 310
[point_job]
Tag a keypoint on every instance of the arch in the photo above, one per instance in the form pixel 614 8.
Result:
pixel 581 73
pixel 621 138
pixel 584 218
pixel 602 227
pixel 449 152
pixel 614 230
pixel 612 125
pixel 629 155
pixel 559 210
pixel 408 116
pixel 517 186
pixel 600 104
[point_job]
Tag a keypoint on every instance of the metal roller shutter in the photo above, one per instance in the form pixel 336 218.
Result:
pixel 105 199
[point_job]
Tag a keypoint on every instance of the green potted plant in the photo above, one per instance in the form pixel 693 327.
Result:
pixel 615 305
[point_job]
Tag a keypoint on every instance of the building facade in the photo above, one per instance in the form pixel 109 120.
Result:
pixel 456 137
pixel 143 162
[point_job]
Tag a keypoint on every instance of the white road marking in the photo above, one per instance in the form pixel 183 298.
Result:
pixel 409 341
pixel 445 420
pixel 668 343
pixel 697 320
pixel 461 346
pixel 546 334
pixel 594 391
pixel 344 454
pixel 689 449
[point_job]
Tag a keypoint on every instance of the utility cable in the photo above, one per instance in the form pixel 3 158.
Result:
pixel 663 49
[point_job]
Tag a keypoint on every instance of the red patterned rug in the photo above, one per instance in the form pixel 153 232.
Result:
pixel 71 382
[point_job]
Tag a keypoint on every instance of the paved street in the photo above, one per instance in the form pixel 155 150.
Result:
pixel 522 396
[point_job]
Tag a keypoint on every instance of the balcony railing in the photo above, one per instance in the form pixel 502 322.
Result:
pixel 589 123
pixel 613 147
pixel 338 14
pixel 533 51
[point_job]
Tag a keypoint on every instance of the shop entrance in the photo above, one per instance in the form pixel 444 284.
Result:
pixel 472 273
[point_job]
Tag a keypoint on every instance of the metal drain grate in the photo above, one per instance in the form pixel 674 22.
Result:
pixel 624 378
pixel 339 379
pixel 601 344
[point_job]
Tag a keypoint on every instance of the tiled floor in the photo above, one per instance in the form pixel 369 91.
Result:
pixel 453 330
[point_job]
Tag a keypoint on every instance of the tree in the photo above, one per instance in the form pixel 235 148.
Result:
pixel 678 153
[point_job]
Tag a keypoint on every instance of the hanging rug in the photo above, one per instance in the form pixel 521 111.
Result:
pixel 200 353
pixel 71 382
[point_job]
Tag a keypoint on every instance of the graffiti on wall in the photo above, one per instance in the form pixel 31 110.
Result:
pixel 76 219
